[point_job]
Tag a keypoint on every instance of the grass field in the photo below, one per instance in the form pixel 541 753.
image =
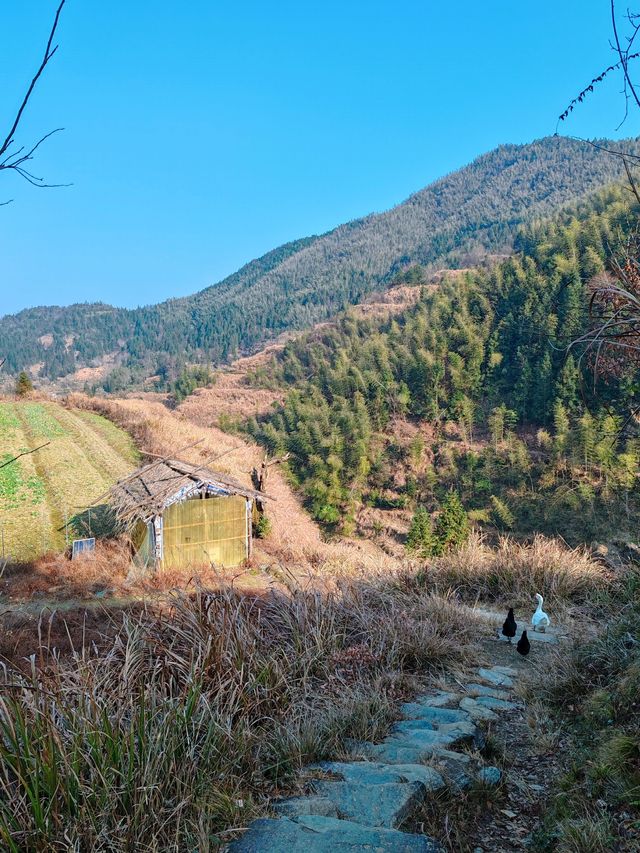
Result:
pixel 38 492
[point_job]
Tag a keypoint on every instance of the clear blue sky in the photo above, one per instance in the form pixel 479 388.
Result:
pixel 200 135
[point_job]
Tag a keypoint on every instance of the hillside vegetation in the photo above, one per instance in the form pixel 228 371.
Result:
pixel 42 491
pixel 451 223
pixel 493 406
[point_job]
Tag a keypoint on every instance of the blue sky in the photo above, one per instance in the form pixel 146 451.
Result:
pixel 200 135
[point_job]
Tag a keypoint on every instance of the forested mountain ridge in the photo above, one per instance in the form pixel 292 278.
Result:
pixel 451 223
pixel 478 365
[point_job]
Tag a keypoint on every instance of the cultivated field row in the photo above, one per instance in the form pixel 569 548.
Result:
pixel 41 492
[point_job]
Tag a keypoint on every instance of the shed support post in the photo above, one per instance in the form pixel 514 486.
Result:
pixel 158 540
pixel 249 508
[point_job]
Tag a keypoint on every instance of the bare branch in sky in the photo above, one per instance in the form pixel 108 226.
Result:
pixel 15 159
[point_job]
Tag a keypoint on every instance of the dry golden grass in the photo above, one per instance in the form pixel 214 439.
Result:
pixel 56 576
pixel 230 396
pixel 177 733
pixel 514 571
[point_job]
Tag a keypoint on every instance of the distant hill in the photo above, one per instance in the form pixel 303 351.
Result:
pixel 451 223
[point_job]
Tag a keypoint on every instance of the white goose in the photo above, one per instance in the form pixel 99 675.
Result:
pixel 540 620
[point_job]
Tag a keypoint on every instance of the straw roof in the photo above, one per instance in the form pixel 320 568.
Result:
pixel 148 490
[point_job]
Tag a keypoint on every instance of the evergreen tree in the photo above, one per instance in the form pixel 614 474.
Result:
pixel 567 384
pixel 501 513
pixel 561 427
pixel 496 424
pixel 542 389
pixel 24 385
pixel 452 525
pixel 420 540
pixel 585 440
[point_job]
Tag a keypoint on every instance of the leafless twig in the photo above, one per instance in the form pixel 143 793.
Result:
pixel 15 160
pixel 24 453
pixel 625 57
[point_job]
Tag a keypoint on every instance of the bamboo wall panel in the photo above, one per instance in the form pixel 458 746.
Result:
pixel 211 530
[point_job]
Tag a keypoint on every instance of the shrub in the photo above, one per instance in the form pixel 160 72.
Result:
pixel 262 527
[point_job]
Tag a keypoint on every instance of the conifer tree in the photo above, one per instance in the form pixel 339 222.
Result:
pixel 501 513
pixel 567 384
pixel 585 443
pixel 561 428
pixel 542 390
pixel 496 424
pixel 420 540
pixel 452 526
pixel 24 385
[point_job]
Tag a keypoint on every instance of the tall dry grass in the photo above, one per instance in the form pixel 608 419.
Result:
pixel 514 571
pixel 178 732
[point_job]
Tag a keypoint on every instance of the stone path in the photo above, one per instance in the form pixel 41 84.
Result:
pixel 361 805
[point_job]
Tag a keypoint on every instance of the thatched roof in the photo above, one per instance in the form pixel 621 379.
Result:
pixel 148 490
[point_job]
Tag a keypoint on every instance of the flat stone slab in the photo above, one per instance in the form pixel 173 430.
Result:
pixel 426 713
pixel 456 767
pixel 456 736
pixel 424 733
pixel 440 699
pixel 314 834
pixel 296 806
pixel 494 676
pixel 478 712
pixel 388 804
pixel 447 755
pixel 505 670
pixel 475 690
pixel 496 704
pixel 396 753
pixel 375 773
pixel 464 725
pixel 465 733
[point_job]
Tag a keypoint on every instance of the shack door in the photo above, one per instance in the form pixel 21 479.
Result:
pixel 201 531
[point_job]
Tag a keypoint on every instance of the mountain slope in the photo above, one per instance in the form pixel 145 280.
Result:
pixel 472 389
pixel 454 220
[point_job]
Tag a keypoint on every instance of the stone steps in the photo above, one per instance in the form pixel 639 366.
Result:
pixel 359 805
pixel 314 834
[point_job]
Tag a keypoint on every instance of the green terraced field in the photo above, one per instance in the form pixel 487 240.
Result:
pixel 86 455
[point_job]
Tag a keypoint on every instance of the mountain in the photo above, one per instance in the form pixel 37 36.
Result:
pixel 451 223
pixel 471 389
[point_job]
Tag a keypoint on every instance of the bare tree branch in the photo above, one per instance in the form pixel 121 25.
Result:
pixel 625 56
pixel 15 160
pixel 579 98
pixel 632 183
pixel 624 53
pixel 24 453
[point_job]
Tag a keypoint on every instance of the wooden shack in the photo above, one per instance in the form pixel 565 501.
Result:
pixel 184 515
